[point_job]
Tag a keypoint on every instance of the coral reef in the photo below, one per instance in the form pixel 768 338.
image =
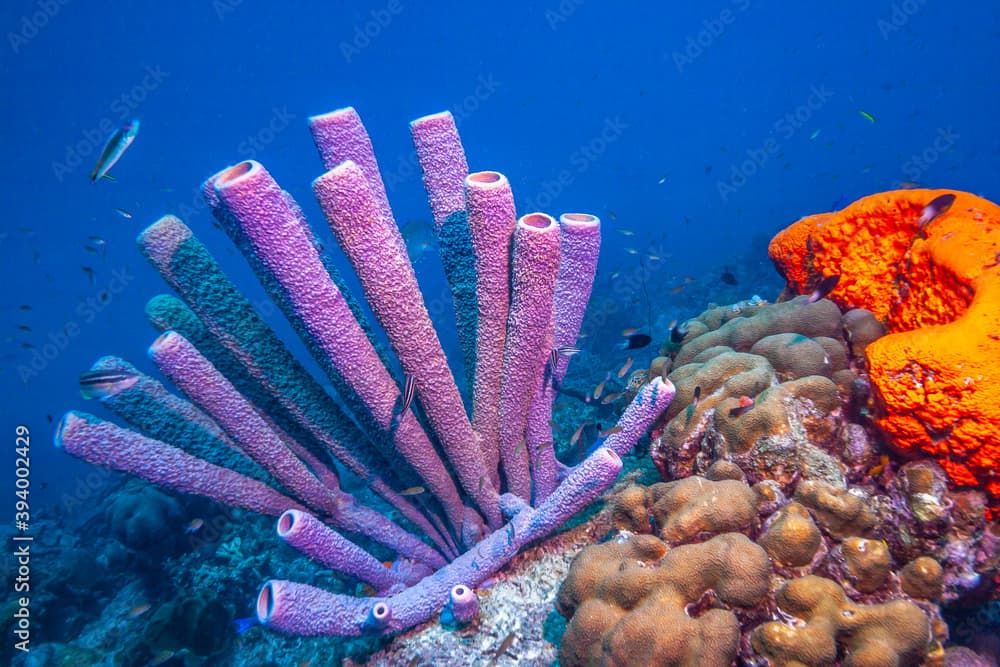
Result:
pixel 791 366
pixel 933 278
pixel 259 433
pixel 783 590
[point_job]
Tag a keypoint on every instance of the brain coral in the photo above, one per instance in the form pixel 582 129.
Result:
pixel 937 289
pixel 792 360
pixel 783 590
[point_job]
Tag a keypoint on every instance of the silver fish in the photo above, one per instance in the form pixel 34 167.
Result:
pixel 115 147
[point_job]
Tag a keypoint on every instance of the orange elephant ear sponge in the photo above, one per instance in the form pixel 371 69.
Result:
pixel 934 281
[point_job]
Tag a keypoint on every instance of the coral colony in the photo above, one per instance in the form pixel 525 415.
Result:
pixel 257 429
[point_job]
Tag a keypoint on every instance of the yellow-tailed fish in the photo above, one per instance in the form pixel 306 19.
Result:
pixel 115 147
pixel 624 369
pixel 577 433
pixel 412 491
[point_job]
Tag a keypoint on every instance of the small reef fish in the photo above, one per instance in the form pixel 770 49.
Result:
pixel 577 433
pixel 161 658
pixel 745 405
pixel 123 213
pixel 823 288
pixel 599 389
pixel 678 332
pixel 631 331
pixel 611 398
pixel 244 624
pixel 627 232
pixel 632 251
pixel 867 116
pixel 937 206
pixel 879 467
pixel 24 307
pixel 677 289
pixel 412 491
pixel 728 277
pixel 815 134
pixel 554 425
pixel 91 274
pixel 115 147
pixel 635 342
pixel 409 390
pixel 138 610
pixel 624 369
pixel 611 431
pixel 520 445
pixel 564 351
pixel 697 396
pixel 504 646
pixel 103 383
pixel 24 327
pixel 194 526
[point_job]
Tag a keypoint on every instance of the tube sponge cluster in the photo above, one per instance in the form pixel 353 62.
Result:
pixel 256 430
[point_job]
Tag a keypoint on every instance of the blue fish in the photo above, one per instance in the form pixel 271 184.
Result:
pixel 244 624
pixel 115 147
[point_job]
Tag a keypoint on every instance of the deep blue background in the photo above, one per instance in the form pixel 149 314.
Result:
pixel 531 85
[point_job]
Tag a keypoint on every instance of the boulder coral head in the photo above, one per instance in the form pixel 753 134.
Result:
pixel 927 264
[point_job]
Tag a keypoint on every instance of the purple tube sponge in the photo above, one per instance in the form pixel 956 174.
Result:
pixel 462 607
pixel 442 159
pixel 390 285
pixel 492 220
pixel 315 539
pixel 260 207
pixel 529 339
pixel 304 610
pixel 106 444
pixel 520 288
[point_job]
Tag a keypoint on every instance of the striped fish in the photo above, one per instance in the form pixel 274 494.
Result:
pixel 409 391
pixel 115 147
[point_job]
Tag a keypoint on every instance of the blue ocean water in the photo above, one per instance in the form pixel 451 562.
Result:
pixel 695 132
